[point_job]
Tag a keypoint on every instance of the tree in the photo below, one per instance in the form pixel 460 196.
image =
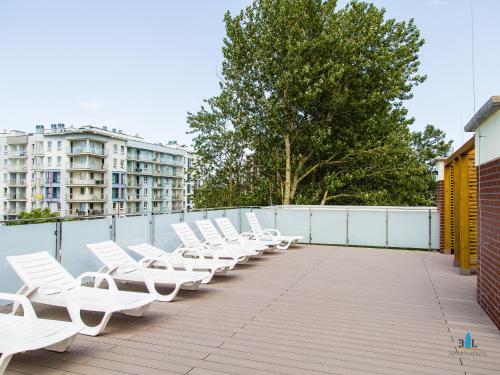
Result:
pixel 35 216
pixel 315 96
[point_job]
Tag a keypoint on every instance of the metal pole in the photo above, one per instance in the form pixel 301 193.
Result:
pixel 58 234
pixel 386 228
pixel 112 228
pixel 430 230
pixel 347 227
pixel 239 219
pixel 152 229
pixel 275 217
pixel 310 225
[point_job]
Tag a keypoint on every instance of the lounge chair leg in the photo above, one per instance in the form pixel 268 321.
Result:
pixel 140 311
pixel 74 314
pixel 4 362
pixel 191 286
pixel 62 345
pixel 209 278
pixel 161 297
pixel 284 247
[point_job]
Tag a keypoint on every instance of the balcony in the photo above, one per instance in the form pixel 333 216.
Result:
pixel 86 198
pixel 133 198
pixel 17 168
pixel 14 182
pixel 312 309
pixel 89 212
pixel 87 166
pixel 159 197
pixel 38 151
pixel 92 151
pixel 86 182
pixel 16 197
pixel 18 154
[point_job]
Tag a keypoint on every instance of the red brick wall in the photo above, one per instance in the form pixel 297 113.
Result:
pixel 488 280
pixel 440 208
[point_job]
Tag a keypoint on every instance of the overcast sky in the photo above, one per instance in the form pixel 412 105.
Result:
pixel 142 65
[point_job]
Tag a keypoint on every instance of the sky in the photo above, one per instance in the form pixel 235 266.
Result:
pixel 140 66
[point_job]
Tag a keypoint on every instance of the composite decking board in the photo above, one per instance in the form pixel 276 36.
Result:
pixel 310 310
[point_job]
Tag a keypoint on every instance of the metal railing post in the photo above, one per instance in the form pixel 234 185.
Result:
pixel 152 228
pixel 239 220
pixel 310 224
pixel 347 227
pixel 58 234
pixel 275 217
pixel 430 230
pixel 386 228
pixel 112 228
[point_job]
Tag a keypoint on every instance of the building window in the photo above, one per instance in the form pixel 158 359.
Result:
pixel 122 163
pixel 122 150
pixel 49 146
pixel 49 161
pixel 115 149
pixel 59 145
pixel 114 163
pixel 58 161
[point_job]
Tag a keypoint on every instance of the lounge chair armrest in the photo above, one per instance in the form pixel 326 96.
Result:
pixel 146 262
pixel 247 234
pixel 111 282
pixel 271 231
pixel 28 310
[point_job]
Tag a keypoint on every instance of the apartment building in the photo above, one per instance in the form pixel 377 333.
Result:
pixel 90 171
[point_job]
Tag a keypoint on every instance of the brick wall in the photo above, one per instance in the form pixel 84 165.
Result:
pixel 440 208
pixel 488 280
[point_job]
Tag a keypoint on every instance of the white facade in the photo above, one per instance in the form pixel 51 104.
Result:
pixel 89 171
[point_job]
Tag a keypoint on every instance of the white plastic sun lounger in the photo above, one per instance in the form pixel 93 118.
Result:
pixel 192 244
pixel 230 234
pixel 122 267
pixel 21 333
pixel 214 240
pixel 270 234
pixel 47 282
pixel 175 260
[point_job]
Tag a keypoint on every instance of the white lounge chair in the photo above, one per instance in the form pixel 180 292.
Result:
pixel 175 260
pixel 47 282
pixel 122 267
pixel 230 234
pixel 27 332
pixel 214 240
pixel 270 234
pixel 192 244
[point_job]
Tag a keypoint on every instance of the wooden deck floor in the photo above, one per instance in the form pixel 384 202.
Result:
pixel 311 310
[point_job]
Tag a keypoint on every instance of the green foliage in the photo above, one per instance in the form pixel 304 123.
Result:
pixel 35 216
pixel 311 109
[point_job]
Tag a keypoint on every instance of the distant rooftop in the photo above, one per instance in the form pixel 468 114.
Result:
pixel 488 109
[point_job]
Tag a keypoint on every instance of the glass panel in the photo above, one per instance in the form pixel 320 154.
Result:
pixel 234 215
pixel 75 256
pixel 244 227
pixel 367 227
pixel 165 237
pixel 214 214
pixel 328 226
pixel 191 217
pixel 409 229
pixel 265 216
pixel 132 230
pixel 19 240
pixel 293 221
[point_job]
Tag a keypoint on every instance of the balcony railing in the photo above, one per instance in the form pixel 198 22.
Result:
pixel 85 151
pixel 90 166
pixel 86 182
pixel 16 168
pixel 86 198
pixel 14 182
pixel 18 154
pixel 16 197
pixel 86 212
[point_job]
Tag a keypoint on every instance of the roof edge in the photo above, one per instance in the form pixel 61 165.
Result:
pixel 490 107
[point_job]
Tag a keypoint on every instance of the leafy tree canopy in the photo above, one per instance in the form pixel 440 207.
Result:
pixel 35 216
pixel 311 110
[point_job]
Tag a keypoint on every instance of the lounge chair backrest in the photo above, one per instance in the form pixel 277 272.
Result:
pixel 112 255
pixel 209 232
pixel 147 251
pixel 254 223
pixel 186 235
pixel 41 268
pixel 227 228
